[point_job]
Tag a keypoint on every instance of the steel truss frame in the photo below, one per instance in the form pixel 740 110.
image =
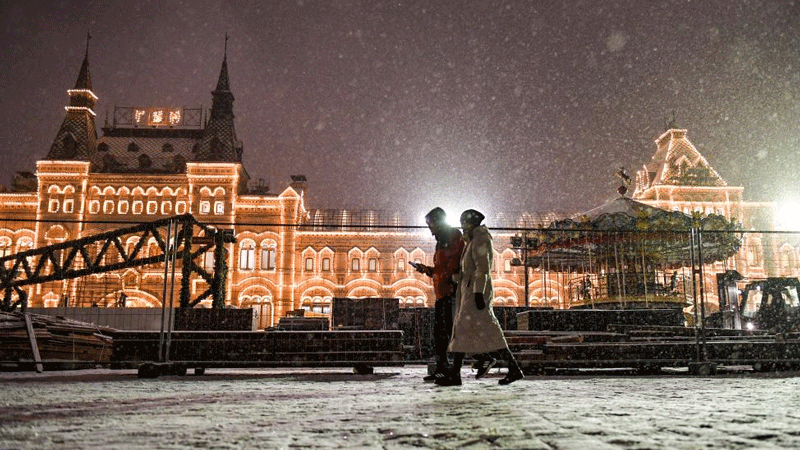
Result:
pixel 191 240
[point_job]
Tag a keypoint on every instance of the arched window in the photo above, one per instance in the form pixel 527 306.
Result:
pixel 5 246
pixel 247 255
pixel 268 256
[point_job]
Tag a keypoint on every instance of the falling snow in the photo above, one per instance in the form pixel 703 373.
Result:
pixel 513 105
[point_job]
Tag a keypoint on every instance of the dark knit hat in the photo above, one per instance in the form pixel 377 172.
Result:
pixel 473 217
pixel 435 215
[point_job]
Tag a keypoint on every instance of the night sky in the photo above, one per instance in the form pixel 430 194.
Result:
pixel 497 105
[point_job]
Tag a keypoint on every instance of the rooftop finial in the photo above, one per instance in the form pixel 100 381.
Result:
pixel 671 124
pixel 88 36
pixel 225 55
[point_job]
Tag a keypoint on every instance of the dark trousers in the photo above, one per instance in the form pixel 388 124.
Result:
pixel 442 330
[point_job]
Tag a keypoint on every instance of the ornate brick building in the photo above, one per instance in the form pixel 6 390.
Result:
pixel 151 163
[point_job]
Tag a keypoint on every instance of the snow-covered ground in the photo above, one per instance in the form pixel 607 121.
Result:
pixel 394 409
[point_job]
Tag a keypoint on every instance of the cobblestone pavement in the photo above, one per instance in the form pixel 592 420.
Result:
pixel 393 409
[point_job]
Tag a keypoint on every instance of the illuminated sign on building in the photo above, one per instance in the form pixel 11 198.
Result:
pixel 157 117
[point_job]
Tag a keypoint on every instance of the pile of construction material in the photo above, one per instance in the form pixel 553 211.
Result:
pixel 52 341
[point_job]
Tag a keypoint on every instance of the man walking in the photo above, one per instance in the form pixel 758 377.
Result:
pixel 446 261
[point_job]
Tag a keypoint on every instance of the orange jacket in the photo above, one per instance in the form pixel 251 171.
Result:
pixel 446 262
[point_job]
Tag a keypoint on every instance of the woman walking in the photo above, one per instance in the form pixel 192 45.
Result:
pixel 475 328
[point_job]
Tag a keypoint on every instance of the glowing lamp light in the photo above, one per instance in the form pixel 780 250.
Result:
pixel 787 217
pixel 453 214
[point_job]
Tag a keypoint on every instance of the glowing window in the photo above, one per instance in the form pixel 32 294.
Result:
pixel 180 208
pixel 53 206
pixel 326 264
pixel 268 259
pixel 94 207
pixel 355 264
pixel 68 205
pixel 152 207
pixel 166 207
pixel 138 206
pixel 372 265
pixel 507 265
pixel 219 208
pixel 246 257
pixel 309 264
pixel 108 207
pixel 123 207
pixel 401 265
pixel 205 207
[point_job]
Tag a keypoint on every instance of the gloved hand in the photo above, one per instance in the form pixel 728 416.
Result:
pixel 480 303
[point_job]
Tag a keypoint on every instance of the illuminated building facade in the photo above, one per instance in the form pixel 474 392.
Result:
pixel 151 163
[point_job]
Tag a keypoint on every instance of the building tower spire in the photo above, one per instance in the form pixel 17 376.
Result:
pixel 77 136
pixel 219 141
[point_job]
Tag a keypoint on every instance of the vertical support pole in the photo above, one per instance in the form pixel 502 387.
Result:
pixel 702 292
pixel 619 283
pixel 34 346
pixel 525 265
pixel 172 246
pixel 220 273
pixel 644 276
pixel 164 293
pixel 186 270
pixel 694 295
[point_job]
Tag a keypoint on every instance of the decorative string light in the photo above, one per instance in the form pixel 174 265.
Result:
pixel 80 108
pixel 82 91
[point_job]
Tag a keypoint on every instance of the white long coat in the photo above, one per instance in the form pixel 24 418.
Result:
pixel 474 330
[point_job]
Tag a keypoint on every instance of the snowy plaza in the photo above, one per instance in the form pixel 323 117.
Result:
pixel 394 409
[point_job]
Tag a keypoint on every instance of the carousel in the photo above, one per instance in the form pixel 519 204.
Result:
pixel 627 254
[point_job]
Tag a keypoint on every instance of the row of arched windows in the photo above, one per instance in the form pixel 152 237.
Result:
pixel 164 201
pixel 263 259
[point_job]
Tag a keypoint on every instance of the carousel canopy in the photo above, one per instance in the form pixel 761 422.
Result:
pixel 624 227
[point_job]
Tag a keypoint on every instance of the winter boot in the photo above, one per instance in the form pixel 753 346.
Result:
pixel 453 377
pixel 514 371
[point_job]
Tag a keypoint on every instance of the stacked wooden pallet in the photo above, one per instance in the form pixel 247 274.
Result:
pixel 303 324
pixel 59 341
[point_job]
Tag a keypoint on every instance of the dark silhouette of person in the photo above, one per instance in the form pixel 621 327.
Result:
pixel 475 328
pixel 445 264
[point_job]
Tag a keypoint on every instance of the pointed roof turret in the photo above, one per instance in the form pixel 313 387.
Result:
pixel 222 83
pixel 77 136
pixel 219 141
pixel 676 162
pixel 84 80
